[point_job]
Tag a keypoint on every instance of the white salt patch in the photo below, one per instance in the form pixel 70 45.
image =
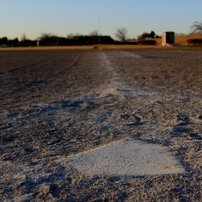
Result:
pixel 115 79
pixel 126 157
pixel 133 54
pixel 43 106
pixel 26 197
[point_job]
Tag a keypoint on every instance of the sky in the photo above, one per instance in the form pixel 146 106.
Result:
pixel 64 17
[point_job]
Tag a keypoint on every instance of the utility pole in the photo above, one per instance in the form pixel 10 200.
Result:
pixel 99 31
pixel 57 39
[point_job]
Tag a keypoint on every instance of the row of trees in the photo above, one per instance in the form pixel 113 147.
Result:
pixel 4 41
pixel 47 39
pixel 15 42
pixel 93 38
pixel 121 34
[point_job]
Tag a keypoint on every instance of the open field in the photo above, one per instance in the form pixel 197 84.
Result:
pixel 56 105
pixel 111 46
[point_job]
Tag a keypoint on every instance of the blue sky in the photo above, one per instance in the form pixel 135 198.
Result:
pixel 63 17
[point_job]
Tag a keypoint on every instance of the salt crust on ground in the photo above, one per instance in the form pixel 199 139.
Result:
pixel 126 157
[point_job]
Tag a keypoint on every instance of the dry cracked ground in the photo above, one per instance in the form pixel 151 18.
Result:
pixel 57 103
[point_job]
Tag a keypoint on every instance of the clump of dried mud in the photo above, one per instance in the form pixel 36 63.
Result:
pixel 75 107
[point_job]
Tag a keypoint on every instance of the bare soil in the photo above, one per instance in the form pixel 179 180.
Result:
pixel 56 103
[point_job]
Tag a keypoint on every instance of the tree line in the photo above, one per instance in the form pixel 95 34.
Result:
pixel 47 39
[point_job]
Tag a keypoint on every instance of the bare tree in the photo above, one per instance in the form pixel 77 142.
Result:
pixel 179 34
pixel 121 34
pixel 94 36
pixel 70 36
pixel 144 35
pixel 24 38
pixel 48 39
pixel 196 27
pixel 45 36
pixel 94 33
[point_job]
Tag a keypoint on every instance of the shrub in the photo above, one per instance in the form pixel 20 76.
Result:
pixel 194 42
pixel 147 42
pixel 126 43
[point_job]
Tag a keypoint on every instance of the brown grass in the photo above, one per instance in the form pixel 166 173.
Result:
pixel 182 40
pixel 47 48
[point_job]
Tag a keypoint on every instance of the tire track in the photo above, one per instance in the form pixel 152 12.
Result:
pixel 60 71
pixel 71 65
pixel 20 68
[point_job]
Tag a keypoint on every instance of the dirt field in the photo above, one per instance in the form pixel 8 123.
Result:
pixel 56 103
